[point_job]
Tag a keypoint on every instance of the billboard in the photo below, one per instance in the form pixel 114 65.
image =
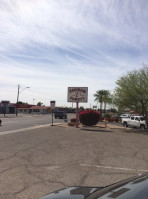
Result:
pixel 77 94
pixel 94 106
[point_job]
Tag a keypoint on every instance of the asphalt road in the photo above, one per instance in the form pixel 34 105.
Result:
pixel 11 122
pixel 36 162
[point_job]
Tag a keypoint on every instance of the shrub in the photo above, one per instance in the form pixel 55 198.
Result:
pixel 71 124
pixel 112 119
pixel 101 118
pixel 89 118
pixel 73 120
pixel 107 116
pixel 115 119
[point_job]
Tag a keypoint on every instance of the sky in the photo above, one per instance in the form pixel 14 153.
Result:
pixel 50 45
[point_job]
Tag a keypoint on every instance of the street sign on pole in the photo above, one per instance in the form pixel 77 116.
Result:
pixel 52 104
pixel 77 94
pixel 5 104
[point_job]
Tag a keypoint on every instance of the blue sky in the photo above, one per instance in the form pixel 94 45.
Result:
pixel 50 45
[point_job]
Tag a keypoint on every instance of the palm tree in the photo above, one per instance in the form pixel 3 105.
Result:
pixel 107 99
pixel 39 104
pixel 99 98
pixel 102 96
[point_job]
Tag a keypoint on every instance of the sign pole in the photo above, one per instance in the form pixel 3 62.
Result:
pixel 52 117
pixel 77 115
pixel 52 107
pixel 4 110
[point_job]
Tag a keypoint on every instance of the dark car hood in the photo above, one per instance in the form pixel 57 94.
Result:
pixel 72 193
pixel 132 188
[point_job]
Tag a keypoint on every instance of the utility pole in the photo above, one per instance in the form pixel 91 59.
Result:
pixel 18 92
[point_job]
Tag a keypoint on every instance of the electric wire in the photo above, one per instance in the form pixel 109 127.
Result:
pixel 32 92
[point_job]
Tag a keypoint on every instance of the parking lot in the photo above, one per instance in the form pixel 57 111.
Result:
pixel 36 162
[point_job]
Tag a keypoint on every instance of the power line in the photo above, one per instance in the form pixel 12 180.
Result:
pixel 7 82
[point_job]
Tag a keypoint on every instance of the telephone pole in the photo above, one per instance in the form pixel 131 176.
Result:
pixel 18 92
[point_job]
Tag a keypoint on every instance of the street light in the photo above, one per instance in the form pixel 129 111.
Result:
pixel 33 101
pixel 18 97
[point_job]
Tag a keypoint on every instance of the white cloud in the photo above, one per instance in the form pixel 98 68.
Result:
pixel 54 44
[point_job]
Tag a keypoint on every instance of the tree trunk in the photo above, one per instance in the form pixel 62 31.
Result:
pixel 101 107
pixel 104 107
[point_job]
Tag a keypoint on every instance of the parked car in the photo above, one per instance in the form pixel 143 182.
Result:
pixel 134 121
pixel 60 114
pixel 132 188
pixel 112 119
pixel 124 115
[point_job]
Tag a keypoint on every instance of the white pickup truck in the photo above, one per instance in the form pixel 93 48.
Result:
pixel 134 121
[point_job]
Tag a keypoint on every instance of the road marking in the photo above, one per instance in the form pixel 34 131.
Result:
pixel 26 129
pixel 109 167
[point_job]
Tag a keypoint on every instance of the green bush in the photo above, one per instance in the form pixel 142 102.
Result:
pixel 89 118
pixel 107 116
